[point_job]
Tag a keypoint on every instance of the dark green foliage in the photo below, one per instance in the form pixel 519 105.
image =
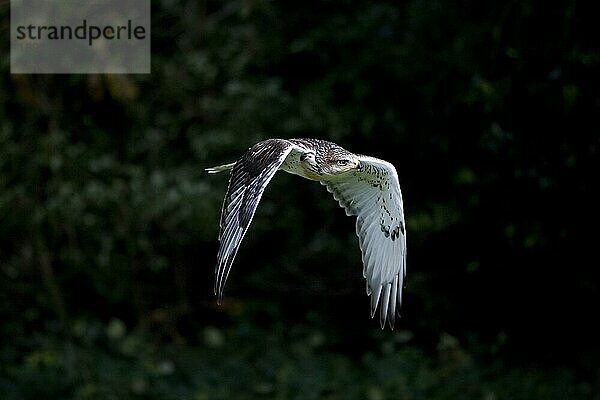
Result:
pixel 248 363
pixel 108 224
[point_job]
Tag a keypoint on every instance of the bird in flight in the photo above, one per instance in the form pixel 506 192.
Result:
pixel 365 187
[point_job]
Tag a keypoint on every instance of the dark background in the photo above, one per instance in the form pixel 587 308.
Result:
pixel 108 224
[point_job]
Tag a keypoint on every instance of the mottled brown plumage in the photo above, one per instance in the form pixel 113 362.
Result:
pixel 364 186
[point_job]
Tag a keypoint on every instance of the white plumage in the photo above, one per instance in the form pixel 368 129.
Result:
pixel 365 187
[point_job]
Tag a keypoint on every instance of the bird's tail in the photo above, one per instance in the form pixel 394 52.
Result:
pixel 220 168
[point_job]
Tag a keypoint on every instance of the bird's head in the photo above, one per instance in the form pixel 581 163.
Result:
pixel 339 160
pixel 330 162
pixel 342 163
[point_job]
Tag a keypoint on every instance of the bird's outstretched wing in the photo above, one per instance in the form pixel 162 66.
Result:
pixel 249 177
pixel 372 193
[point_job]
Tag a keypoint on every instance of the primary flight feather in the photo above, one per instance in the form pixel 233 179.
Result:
pixel 365 187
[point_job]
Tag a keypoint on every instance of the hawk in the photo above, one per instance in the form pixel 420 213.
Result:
pixel 365 187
